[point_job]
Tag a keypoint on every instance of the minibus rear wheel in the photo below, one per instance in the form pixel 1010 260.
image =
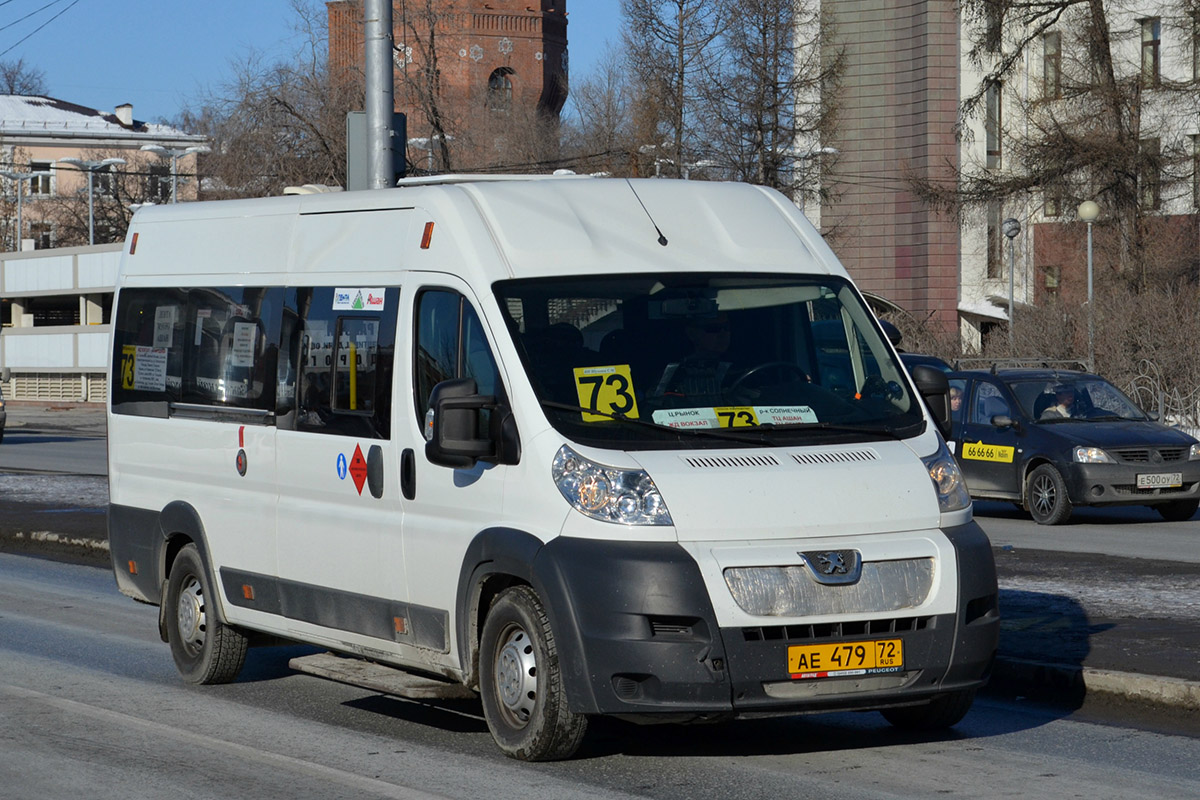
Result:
pixel 521 682
pixel 205 650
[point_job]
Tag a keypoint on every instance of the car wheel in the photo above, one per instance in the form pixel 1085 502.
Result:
pixel 1046 496
pixel 520 681
pixel 205 650
pixel 1178 510
pixel 942 711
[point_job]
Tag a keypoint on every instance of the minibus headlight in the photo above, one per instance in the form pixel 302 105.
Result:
pixel 947 480
pixel 1091 455
pixel 624 496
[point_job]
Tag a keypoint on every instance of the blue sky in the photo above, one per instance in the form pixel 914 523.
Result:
pixel 161 54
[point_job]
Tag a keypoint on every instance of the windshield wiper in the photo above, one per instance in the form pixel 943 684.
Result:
pixel 754 436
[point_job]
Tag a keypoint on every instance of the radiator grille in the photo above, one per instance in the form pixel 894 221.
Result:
pixel 792 592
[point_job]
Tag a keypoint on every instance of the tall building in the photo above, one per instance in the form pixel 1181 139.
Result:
pixel 492 56
pixel 897 110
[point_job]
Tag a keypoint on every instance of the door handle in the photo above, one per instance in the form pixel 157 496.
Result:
pixel 375 471
pixel 408 474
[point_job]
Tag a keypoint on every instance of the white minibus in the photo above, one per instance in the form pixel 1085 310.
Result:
pixel 579 446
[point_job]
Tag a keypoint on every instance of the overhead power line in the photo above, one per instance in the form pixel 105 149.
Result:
pixel 22 40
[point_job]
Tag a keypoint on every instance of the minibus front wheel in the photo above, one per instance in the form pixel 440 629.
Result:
pixel 521 681
pixel 205 649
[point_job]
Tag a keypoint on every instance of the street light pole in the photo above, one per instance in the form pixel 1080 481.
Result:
pixel 91 168
pixel 1011 228
pixel 1088 211
pixel 174 155
pixel 20 178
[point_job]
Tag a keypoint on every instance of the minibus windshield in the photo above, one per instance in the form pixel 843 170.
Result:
pixel 647 360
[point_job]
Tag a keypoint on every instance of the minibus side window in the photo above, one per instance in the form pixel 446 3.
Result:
pixel 148 337
pixel 230 347
pixel 341 353
pixel 450 343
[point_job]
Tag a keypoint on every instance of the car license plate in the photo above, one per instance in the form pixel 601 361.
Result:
pixel 845 658
pixel 1161 480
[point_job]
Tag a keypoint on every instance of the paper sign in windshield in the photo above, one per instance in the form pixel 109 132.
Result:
pixel 734 416
pixel 606 390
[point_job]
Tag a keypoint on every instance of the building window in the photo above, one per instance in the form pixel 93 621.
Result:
pixel 1151 39
pixel 42 234
pixel 499 96
pixel 995 241
pixel 158 183
pixel 104 183
pixel 1051 66
pixel 1052 275
pixel 1053 199
pixel 993 125
pixel 1196 46
pixel 42 182
pixel 1149 182
pixel 1196 171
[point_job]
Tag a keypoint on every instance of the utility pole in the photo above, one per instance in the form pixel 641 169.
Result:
pixel 380 93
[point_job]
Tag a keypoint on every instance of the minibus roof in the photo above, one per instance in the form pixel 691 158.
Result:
pixel 528 226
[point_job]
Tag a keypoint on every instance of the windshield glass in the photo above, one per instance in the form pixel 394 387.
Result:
pixel 1073 397
pixel 690 359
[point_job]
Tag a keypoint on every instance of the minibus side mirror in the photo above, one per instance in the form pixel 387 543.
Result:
pixel 452 427
pixel 935 388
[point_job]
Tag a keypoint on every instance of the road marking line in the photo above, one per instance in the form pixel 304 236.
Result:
pixel 268 758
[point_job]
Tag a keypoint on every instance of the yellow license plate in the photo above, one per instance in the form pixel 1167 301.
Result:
pixel 845 658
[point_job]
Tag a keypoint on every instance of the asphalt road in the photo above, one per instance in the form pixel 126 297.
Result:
pixel 91 706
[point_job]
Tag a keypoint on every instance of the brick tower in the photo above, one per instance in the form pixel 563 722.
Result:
pixel 491 53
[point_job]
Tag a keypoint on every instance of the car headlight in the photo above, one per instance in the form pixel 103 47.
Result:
pixel 947 480
pixel 1091 455
pixel 1194 453
pixel 609 494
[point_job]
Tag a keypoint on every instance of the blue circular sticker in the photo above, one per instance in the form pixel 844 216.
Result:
pixel 342 467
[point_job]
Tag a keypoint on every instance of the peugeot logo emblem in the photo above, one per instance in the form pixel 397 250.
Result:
pixel 832 567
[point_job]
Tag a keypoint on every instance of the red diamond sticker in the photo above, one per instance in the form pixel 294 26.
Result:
pixel 358 469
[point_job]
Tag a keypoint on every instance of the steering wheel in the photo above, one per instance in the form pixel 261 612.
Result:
pixel 763 367
pixel 876 386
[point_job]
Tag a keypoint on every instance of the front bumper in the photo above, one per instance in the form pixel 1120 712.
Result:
pixel 637 635
pixel 1116 484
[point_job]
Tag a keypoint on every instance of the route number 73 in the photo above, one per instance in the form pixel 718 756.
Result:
pixel 606 389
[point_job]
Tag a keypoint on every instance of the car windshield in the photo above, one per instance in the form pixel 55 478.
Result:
pixel 1060 398
pixel 666 360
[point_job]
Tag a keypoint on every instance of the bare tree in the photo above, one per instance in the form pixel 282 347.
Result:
pixel 600 134
pixel 116 190
pixel 771 90
pixel 669 42
pixel 17 77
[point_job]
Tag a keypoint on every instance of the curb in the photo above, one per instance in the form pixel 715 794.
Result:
pixel 1078 682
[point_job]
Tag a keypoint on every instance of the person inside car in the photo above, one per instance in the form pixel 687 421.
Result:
pixel 1064 403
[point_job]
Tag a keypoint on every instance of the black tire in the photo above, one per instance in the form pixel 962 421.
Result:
pixel 205 650
pixel 520 681
pixel 943 711
pixel 1178 510
pixel 1046 496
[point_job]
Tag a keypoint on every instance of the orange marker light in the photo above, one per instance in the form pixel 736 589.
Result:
pixel 133 568
pixel 133 244
pixel 399 622
pixel 247 591
pixel 426 237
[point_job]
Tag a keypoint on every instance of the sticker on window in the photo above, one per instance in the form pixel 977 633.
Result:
pixel 242 354
pixel 150 369
pixel 358 299
pixel 164 326
pixel 608 390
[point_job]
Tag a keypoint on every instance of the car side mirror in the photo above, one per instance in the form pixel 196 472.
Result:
pixel 935 389
pixel 1152 415
pixel 452 427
